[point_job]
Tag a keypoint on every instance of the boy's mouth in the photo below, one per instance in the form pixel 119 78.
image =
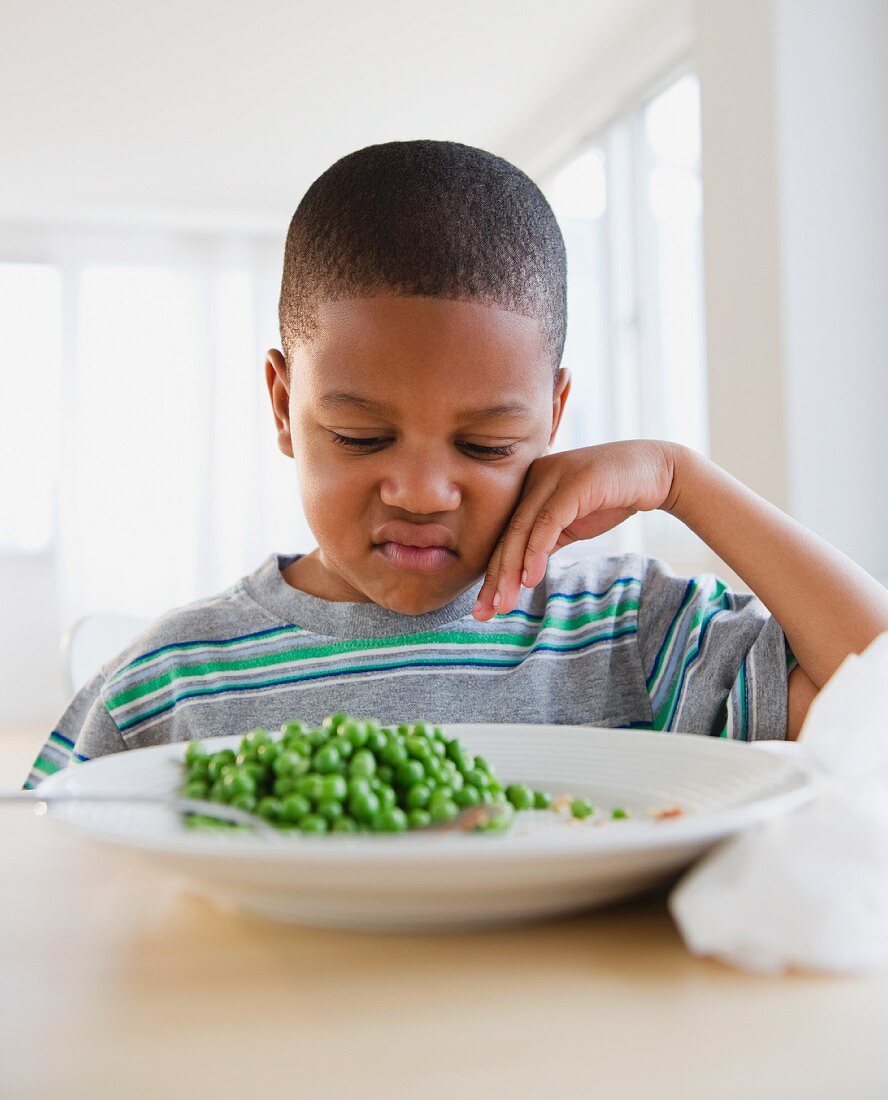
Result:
pixel 421 548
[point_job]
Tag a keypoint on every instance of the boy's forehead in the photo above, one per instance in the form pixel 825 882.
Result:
pixel 481 357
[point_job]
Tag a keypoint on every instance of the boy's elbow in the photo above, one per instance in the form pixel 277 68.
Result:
pixel 801 691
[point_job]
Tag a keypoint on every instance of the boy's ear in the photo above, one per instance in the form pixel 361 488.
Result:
pixel 562 389
pixel 279 392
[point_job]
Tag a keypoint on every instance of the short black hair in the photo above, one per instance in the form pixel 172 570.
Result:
pixel 430 218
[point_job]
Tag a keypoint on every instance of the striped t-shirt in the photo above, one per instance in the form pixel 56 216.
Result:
pixel 604 641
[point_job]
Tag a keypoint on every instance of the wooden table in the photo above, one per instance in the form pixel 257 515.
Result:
pixel 115 982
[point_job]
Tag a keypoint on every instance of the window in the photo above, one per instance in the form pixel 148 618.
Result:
pixel 629 206
pixel 137 444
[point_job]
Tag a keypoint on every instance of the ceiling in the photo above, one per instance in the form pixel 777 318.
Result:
pixel 230 110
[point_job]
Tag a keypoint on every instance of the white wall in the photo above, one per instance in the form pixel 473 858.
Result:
pixel 31 676
pixel 832 140
pixel 795 173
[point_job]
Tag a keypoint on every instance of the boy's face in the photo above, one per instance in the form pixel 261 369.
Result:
pixel 419 377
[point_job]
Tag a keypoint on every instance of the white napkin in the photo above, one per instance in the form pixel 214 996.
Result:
pixel 810 889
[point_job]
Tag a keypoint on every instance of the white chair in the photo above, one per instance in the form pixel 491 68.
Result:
pixel 92 641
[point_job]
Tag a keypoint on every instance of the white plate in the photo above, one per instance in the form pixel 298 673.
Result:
pixel 545 865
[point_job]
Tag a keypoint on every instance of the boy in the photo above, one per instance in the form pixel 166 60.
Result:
pixel 422 317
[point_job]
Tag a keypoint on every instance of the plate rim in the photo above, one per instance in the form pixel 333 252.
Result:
pixel 629 836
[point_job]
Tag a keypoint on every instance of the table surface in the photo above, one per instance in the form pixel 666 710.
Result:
pixel 115 981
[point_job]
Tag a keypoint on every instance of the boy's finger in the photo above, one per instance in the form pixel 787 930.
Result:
pixel 484 604
pixel 557 513
pixel 509 577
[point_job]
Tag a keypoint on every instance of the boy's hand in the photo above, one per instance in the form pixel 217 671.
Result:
pixel 567 497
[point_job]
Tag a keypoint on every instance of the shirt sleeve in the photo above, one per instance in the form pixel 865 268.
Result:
pixel 715 661
pixel 85 730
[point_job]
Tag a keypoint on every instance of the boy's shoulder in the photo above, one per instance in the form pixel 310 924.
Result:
pixel 231 615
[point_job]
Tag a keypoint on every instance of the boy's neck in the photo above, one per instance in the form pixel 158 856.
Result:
pixel 309 575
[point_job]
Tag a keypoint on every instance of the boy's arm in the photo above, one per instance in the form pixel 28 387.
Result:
pixel 826 605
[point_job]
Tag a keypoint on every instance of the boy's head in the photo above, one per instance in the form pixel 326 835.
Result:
pixel 423 309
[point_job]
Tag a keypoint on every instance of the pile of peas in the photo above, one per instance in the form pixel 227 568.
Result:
pixel 353 775
pixel 349 776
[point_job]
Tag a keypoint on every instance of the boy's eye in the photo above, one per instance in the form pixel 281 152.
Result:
pixel 367 444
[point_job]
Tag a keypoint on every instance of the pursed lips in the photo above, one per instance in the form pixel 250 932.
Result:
pixel 417 535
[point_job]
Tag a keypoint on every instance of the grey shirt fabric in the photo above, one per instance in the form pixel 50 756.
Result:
pixel 616 640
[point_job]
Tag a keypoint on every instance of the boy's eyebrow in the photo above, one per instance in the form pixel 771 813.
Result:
pixel 343 399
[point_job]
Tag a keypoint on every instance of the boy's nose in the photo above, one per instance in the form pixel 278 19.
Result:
pixel 420 486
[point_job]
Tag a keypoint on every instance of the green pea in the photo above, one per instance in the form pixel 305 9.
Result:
pixel 344 824
pixel 291 764
pixel 386 773
pixel 392 820
pixel 330 808
pixel 362 807
pixel 214 768
pixel 334 786
pixel 257 737
pixel 359 785
pixel 410 772
pixel 477 778
pixel 269 808
pixel 283 786
pixel 456 780
pixel 418 748
pixel 444 810
pixel 310 786
pixel 377 741
pixel 520 796
pixel 267 753
pixel 362 763
pixel 394 754
pixel 326 760
pixel 343 746
pixel 619 814
pixel 292 729
pixel 387 797
pixel 467 796
pixel 294 807
pixel 355 732
pixel 319 738
pixel 417 797
pixel 238 782
pixel 313 824
pixel 419 819
pixel 542 800
pixel 196 789
pixel 194 751
pixel 581 807
pixel 200 768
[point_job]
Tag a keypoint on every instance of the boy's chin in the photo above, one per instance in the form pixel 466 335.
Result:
pixel 417 598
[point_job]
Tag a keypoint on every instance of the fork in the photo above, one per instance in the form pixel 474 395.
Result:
pixel 465 820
